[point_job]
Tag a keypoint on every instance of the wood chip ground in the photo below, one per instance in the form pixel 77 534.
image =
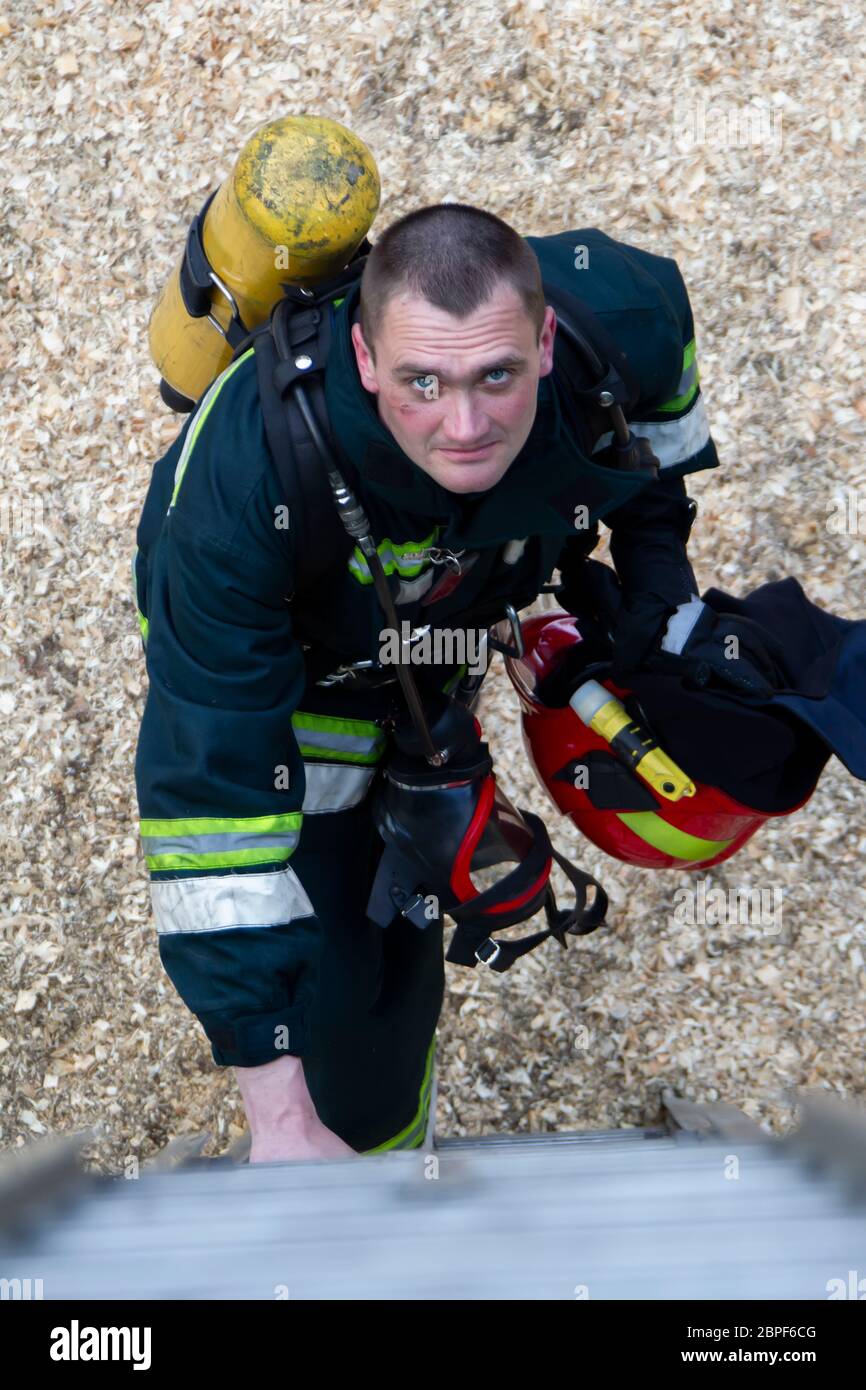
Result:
pixel 728 136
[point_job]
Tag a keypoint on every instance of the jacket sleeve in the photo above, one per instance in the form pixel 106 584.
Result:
pixel 650 532
pixel 648 541
pixel 670 411
pixel 219 775
pixel 654 576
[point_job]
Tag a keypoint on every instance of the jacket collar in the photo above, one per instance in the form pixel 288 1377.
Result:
pixel 537 496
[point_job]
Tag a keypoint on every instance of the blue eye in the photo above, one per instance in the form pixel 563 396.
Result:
pixel 425 379
pixel 505 374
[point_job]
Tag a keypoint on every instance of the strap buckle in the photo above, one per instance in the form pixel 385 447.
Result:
pixel 488 953
pixel 198 278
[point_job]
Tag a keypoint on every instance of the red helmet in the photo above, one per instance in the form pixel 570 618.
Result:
pixel 617 809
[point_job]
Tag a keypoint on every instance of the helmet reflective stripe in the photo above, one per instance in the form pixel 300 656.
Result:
pixel 334 788
pixel 688 382
pixel 225 902
pixel 413 1134
pixel 673 441
pixel 656 831
pixel 198 419
pixel 613 807
pixel 346 740
pixel 403 557
pixel 205 842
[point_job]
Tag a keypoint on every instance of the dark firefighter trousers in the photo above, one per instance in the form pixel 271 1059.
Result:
pixel 369 1068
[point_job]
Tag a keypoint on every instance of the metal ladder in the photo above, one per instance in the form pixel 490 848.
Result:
pixel 708 1206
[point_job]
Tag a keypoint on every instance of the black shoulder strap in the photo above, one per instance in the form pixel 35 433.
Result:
pixel 594 361
pixel 295 345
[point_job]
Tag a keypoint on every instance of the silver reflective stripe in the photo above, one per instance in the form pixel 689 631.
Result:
pixel 334 787
pixel 206 844
pixel 673 441
pixel 411 590
pixel 688 378
pixel 398 559
pixel 514 550
pixel 227 901
pixel 681 624
pixel 330 741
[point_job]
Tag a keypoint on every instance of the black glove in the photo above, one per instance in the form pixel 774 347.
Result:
pixel 649 536
pixel 697 643
pixel 638 627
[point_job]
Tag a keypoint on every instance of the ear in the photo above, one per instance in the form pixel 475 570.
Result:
pixel 364 359
pixel 545 342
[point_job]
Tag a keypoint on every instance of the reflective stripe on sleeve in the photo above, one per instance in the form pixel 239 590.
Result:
pixel 206 842
pixel 334 788
pixel 343 740
pixel 688 382
pixel 673 441
pixel 229 901
pixel 681 624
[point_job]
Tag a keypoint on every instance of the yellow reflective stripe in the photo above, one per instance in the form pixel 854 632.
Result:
pixel 688 383
pixel 220 859
pixel 413 1134
pixel 222 825
pixel 143 624
pixel 403 557
pixel 343 740
pixel 656 831
pixel 198 421
pixel 219 842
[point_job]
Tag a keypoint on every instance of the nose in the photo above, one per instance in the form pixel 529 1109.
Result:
pixel 464 423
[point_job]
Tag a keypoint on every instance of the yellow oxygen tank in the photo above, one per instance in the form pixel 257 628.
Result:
pixel 297 205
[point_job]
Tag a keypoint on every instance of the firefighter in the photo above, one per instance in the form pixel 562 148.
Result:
pixel 484 465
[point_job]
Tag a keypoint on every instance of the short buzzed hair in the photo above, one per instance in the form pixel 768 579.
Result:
pixel 453 255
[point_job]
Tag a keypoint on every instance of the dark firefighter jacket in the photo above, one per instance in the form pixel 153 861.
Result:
pixel 248 729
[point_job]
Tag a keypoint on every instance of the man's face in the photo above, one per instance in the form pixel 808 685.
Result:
pixel 458 395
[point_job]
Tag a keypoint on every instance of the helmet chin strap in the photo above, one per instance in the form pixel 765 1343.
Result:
pixel 472 940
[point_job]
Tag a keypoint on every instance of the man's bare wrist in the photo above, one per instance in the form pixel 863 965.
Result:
pixel 275 1095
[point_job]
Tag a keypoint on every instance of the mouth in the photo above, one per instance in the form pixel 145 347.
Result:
pixel 468 455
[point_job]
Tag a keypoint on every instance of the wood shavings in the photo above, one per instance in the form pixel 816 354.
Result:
pixel 114 132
